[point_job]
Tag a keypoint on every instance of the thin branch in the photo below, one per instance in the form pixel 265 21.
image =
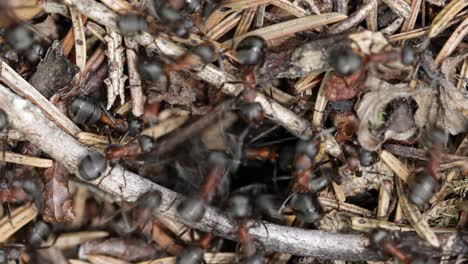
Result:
pixel 40 131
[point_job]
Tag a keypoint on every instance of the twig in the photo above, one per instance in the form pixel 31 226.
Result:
pixel 211 74
pixel 80 39
pixel 25 160
pixel 116 81
pixel 40 131
pixel 134 80
pixel 354 19
pixel 19 218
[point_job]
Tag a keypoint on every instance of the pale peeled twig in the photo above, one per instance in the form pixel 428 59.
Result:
pixel 228 7
pixel 115 56
pixel 352 20
pixel 20 86
pixel 119 6
pixel 25 160
pixel 385 198
pixel 246 20
pixel 80 39
pixel 102 259
pixel 371 19
pixel 444 17
pixel 224 26
pixel 400 7
pixel 331 203
pixel 369 224
pixel 70 240
pixel 165 127
pixel 415 217
pixel 136 92
pixel 453 41
pixel 410 21
pixel 395 164
pixel 290 27
pixel 19 218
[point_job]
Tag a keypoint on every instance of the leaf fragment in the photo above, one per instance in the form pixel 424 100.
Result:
pixel 58 201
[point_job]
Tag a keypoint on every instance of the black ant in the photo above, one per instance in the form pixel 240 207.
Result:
pixel 240 209
pixel 193 209
pixel 423 184
pixel 132 24
pixel 86 112
pixel 195 254
pixel 386 245
pixel 250 52
pixel 170 16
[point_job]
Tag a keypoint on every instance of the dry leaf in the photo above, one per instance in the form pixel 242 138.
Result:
pixel 342 88
pixel 58 200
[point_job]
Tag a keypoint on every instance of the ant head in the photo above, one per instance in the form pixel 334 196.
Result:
pixel 190 255
pixel 345 61
pixel 92 166
pixel 239 206
pixel 151 200
pixel 84 111
pixel 306 207
pixel 38 233
pixel 146 143
pixel 252 113
pixel 251 51
pixel 408 54
pixel 150 69
pixel 131 24
pixel 191 209
pixel 19 37
pixel 3 120
pixel 378 236
pixel 206 53
pixel 367 158
pixel 310 148
pixel 421 187
pixel 254 259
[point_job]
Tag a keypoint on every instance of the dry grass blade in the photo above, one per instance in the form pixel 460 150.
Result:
pixel 290 27
pixel 385 197
pixel 415 217
pixel 24 89
pixel 371 20
pixel 228 7
pixel 80 39
pixel 320 103
pixel 442 20
pixel 451 44
pixel 225 26
pixel 25 160
pixel 101 259
pixel 246 20
pixel 69 240
pixel 306 82
pixel 400 7
pixel 210 258
pixel 291 8
pixel 330 203
pixel 411 20
pixel 19 218
pixel 165 127
pixel 395 164
pixel 369 224
pixel 120 6
pixel 77 261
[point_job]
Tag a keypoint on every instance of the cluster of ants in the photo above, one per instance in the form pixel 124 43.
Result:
pixel 309 176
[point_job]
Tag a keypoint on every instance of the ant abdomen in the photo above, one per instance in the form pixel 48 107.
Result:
pixel 191 209
pixel 206 53
pixel 3 120
pixel 252 113
pixel 345 61
pixel 3 256
pixel 150 69
pixel 38 234
pixel 251 51
pixel 367 158
pixel 306 207
pixel 19 37
pixel 408 55
pixel 131 24
pixel 190 255
pixel 308 147
pixel 147 143
pixel 92 166
pixel 319 184
pixel 239 206
pixel 85 112
pixel 422 187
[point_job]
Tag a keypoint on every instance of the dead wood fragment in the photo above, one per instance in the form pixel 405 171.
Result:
pixel 58 202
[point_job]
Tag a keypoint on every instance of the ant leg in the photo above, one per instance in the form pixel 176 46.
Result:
pixel 170 205
pixel 286 202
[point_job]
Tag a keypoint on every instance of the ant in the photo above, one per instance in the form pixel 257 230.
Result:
pixel 240 209
pixel 154 70
pixel 193 209
pixel 195 254
pixel 92 166
pixel 423 184
pixel 131 24
pixel 250 52
pixel 86 112
pixel 144 144
pixel 381 240
pixel 261 153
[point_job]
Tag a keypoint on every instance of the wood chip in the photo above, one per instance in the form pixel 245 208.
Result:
pixel 290 27
pixel 442 20
pixel 19 218
pixel 224 26
pixel 395 164
pixel 415 217
pixel 24 89
pixel 25 160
